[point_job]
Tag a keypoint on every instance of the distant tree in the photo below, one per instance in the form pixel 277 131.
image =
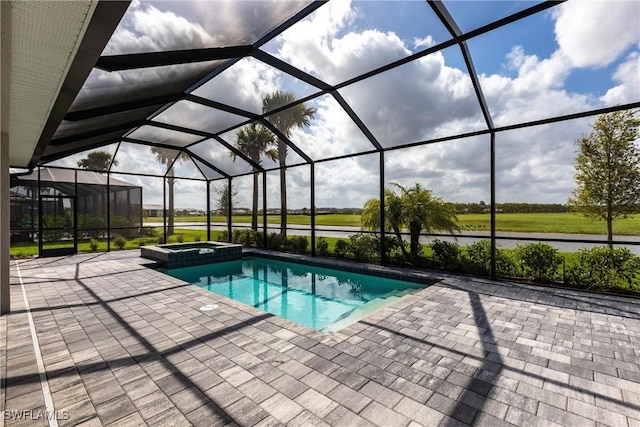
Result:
pixel 300 115
pixel 608 169
pixel 169 158
pixel 97 161
pixel 223 198
pixel 253 140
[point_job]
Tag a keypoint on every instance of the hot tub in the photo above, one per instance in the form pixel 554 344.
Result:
pixel 179 255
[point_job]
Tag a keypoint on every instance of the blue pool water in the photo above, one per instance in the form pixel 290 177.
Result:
pixel 319 298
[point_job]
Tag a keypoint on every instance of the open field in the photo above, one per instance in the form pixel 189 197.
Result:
pixel 524 223
pixel 517 222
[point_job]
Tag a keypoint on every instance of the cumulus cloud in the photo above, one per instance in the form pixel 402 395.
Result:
pixel 420 100
pixel 628 76
pixel 424 43
pixel 315 46
pixel 243 85
pixel 536 92
pixel 148 29
pixel 595 33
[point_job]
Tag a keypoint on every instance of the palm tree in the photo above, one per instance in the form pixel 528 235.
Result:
pixel 253 140
pixel 393 210
pixel 414 208
pixel 97 160
pixel 300 116
pixel 422 211
pixel 166 157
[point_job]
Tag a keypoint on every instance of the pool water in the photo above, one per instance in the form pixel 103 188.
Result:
pixel 320 298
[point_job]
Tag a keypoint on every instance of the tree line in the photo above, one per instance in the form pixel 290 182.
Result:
pixel 463 208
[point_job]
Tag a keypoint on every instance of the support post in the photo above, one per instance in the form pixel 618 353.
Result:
pixel 493 205
pixel 313 208
pixel 229 209
pixel 383 256
pixel 208 210
pixel 264 210
pixel 75 212
pixel 108 211
pixel 40 217
pixel 164 209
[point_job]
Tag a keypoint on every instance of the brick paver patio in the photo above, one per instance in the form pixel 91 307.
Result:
pixel 125 345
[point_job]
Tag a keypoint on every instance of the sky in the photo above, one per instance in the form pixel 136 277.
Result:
pixel 579 56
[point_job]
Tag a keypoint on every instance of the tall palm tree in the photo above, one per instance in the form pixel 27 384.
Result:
pixel 300 116
pixel 414 208
pixel 253 140
pixel 166 157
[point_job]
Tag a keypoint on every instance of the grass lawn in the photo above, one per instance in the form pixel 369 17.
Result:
pixel 518 222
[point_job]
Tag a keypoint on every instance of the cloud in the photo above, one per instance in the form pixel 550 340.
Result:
pixel 628 75
pixel 423 43
pixel 595 33
pixel 148 29
pixel 421 100
pixel 314 45
pixel 243 85
pixel 536 92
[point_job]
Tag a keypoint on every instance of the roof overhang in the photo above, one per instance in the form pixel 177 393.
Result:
pixel 44 67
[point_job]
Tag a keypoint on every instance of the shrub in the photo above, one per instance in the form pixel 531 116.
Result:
pixel 479 259
pixel 341 249
pixel 322 246
pixel 148 232
pixel 393 246
pixel 258 238
pixel 275 241
pixel 125 227
pixel 54 225
pixel 142 242
pixel 606 268
pixel 180 238
pixel 197 238
pixel 93 245
pixel 120 242
pixel 91 226
pixel 539 261
pixel 298 243
pixel 448 254
pixel 247 237
pixel 223 236
pixel 364 247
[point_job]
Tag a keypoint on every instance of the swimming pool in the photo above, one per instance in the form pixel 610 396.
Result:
pixel 320 298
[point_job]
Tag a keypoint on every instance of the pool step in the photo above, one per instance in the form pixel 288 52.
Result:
pixel 368 308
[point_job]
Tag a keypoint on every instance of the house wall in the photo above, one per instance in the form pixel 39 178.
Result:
pixel 5 233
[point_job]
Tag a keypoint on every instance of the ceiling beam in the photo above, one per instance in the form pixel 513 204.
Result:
pixel 233 149
pixel 440 9
pixel 91 113
pixel 172 57
pixel 96 132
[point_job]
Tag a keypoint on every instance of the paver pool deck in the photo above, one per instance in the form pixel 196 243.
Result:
pixel 122 344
